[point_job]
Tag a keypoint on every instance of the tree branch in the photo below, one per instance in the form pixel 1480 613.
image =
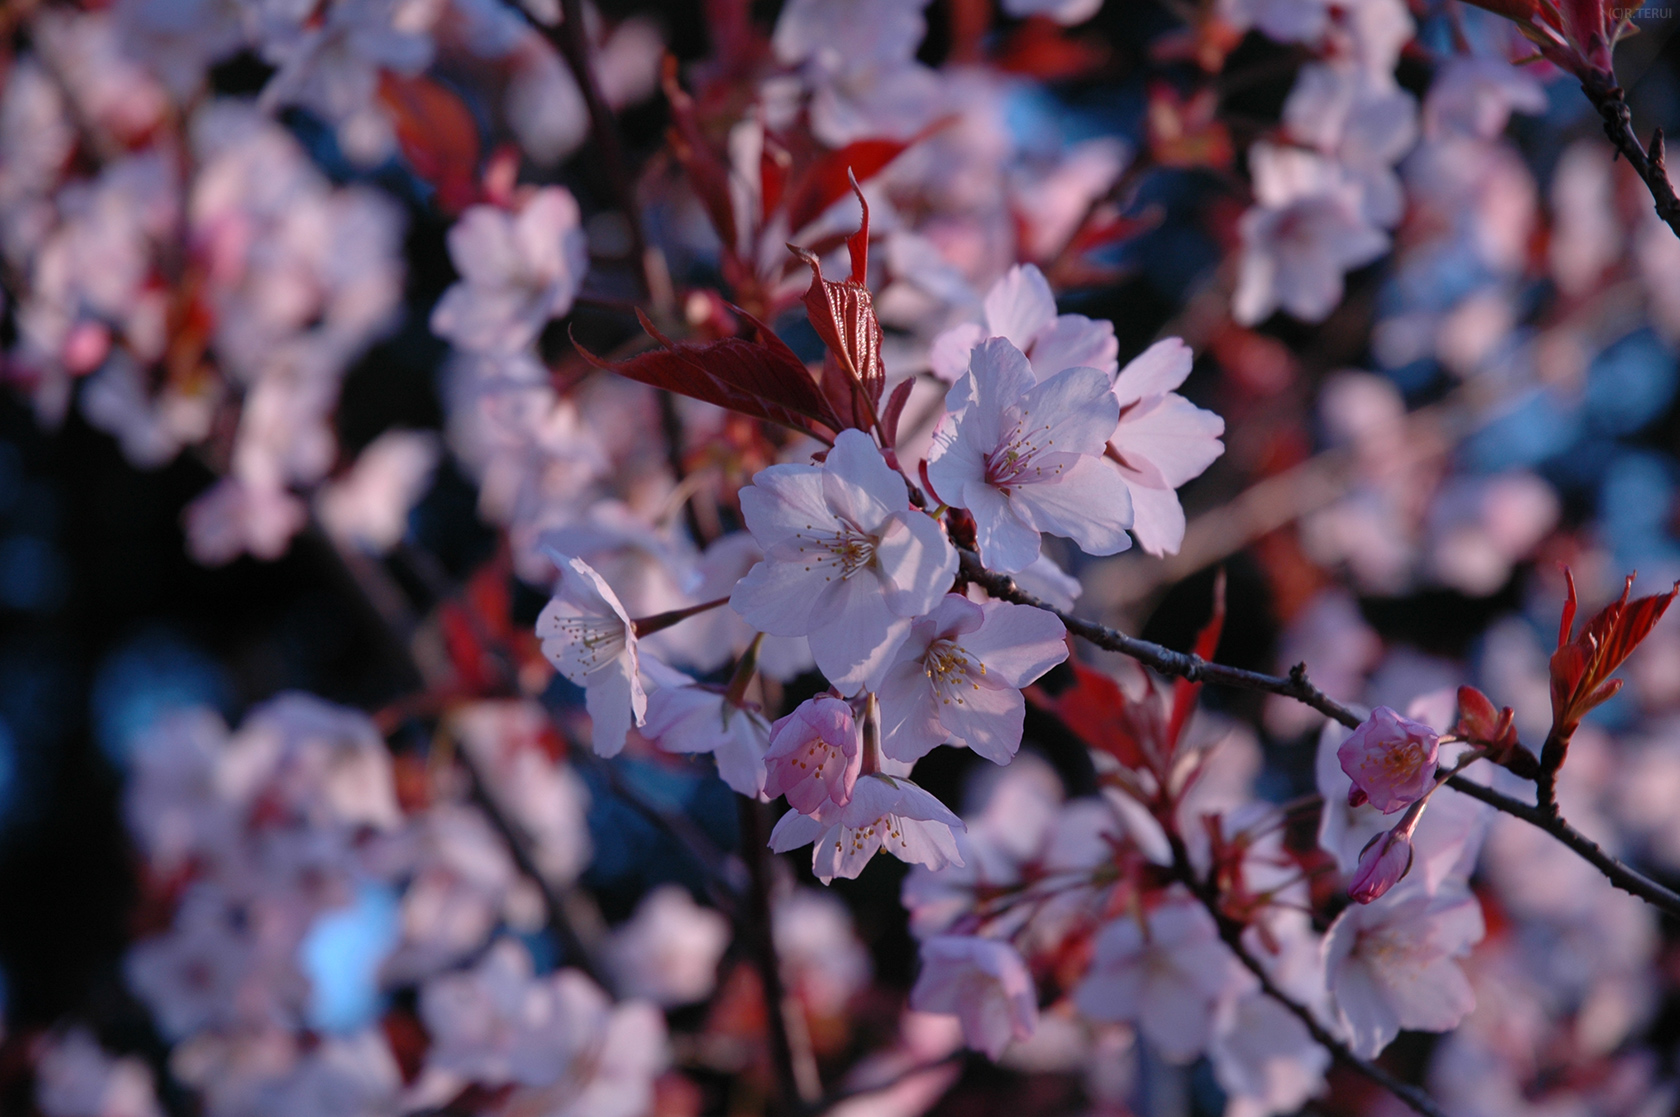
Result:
pixel 1611 102
pixel 1231 932
pixel 1622 876
pixel 1295 685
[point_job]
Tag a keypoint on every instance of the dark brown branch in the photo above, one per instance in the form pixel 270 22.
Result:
pixel 1552 755
pixel 1612 105
pixel 1231 932
pixel 1183 665
pixel 1622 876
pixel 796 1082
pixel 1296 685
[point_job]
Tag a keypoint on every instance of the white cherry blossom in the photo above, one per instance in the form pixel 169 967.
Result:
pixel 683 716
pixel 1025 457
pixel 1393 963
pixel 1307 232
pixel 885 812
pixel 518 270
pixel 588 637
pixel 984 983
pixel 1166 979
pixel 958 675
pixel 1022 308
pixel 668 953
pixel 847 561
pixel 1162 441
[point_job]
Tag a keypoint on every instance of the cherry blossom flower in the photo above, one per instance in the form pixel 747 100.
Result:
pixel 510 741
pixel 1308 230
pixel 1021 308
pixel 885 812
pixel 1162 441
pixel 847 561
pixel 1025 458
pixel 1392 964
pixel 668 953
pixel 1166 979
pixel 984 983
pixel 958 675
pixel 1391 760
pixel 518 271
pixel 814 758
pixel 369 507
pixel 588 637
pixel 499 1023
pixel 683 716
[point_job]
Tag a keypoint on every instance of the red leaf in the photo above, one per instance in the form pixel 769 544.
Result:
pixel 760 378
pixel 437 134
pixel 894 409
pixel 826 180
pixel 1207 642
pixel 1092 708
pixel 844 317
pixel 707 171
pixel 1581 668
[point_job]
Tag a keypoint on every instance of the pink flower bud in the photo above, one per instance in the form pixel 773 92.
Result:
pixel 815 756
pixel 1391 760
pixel 1386 859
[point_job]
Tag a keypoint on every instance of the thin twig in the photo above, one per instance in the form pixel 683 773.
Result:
pixel 1296 685
pixel 1185 665
pixel 1622 876
pixel 1231 932
pixel 1611 102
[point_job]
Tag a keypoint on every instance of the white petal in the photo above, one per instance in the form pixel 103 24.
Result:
pixel 1020 305
pixel 1157 370
pixel 1173 435
pixel 1007 542
pixel 1090 505
pixel 858 484
pixel 1075 341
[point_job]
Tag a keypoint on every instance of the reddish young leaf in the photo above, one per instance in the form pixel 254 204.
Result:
pixel 844 317
pixel 437 134
pixel 894 409
pixel 1581 668
pixel 1092 707
pixel 707 171
pixel 826 180
pixel 1477 718
pixel 760 378
pixel 1207 642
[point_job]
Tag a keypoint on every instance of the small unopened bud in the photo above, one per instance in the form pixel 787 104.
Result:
pixel 1386 859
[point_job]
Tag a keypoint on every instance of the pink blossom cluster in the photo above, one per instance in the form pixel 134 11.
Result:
pixel 833 532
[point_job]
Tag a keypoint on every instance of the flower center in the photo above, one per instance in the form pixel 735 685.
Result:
pixel 950 671
pixel 843 552
pixel 818 753
pixel 1012 463
pixel 594 640
pixel 861 838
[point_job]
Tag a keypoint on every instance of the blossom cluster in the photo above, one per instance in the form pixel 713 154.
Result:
pixel 712 575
